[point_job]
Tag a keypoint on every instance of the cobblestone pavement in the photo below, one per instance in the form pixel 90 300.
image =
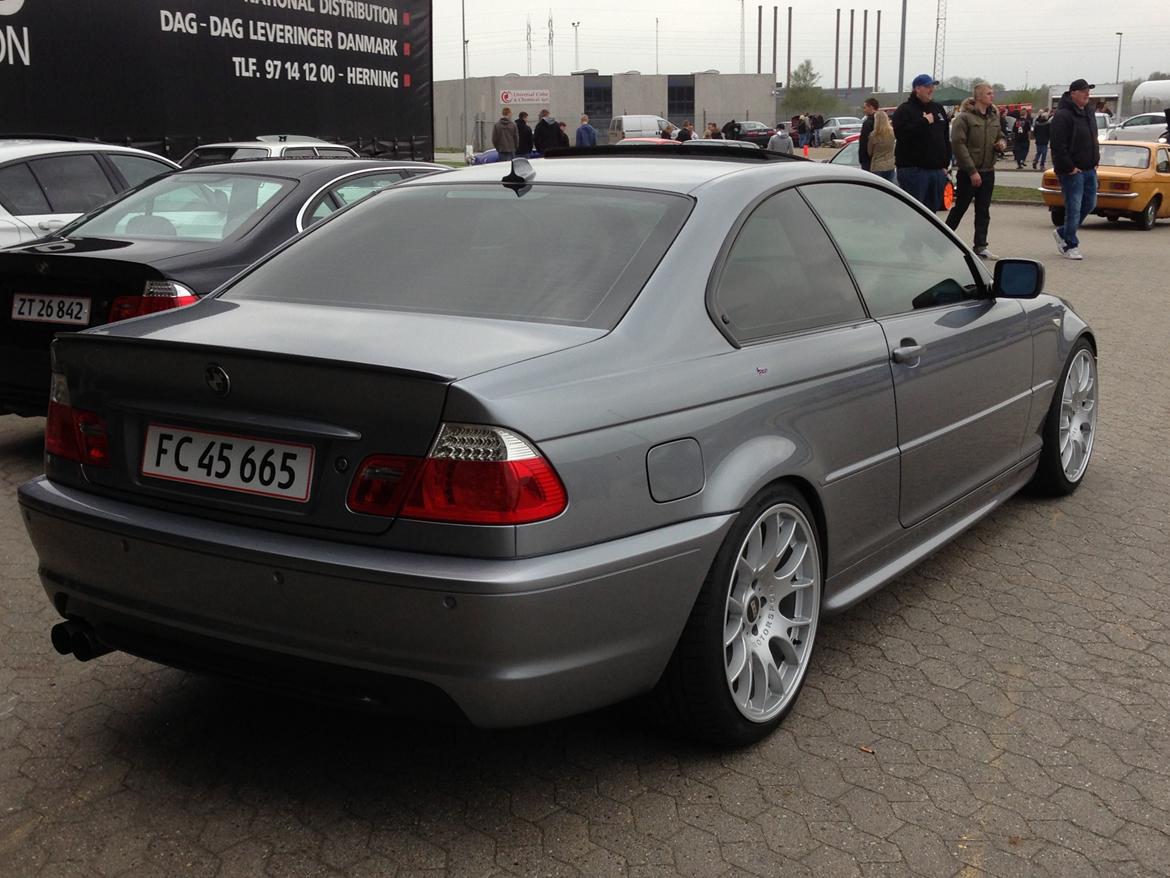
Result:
pixel 1001 710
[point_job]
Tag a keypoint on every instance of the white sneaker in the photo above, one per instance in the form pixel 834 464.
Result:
pixel 985 253
pixel 1059 238
pixel 1072 253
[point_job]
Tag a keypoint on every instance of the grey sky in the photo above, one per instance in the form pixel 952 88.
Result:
pixel 1007 41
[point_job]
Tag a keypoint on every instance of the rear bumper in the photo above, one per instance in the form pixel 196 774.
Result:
pixel 509 642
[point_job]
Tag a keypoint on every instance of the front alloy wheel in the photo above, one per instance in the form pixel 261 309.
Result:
pixel 1071 425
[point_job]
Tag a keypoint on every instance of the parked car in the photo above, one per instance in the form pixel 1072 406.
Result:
pixel 621 127
pixel 1104 126
pixel 1145 126
pixel 838 128
pixel 1133 181
pixel 274 146
pixel 47 182
pixel 756 132
pixel 735 390
pixel 161 246
pixel 850 154
pixel 697 143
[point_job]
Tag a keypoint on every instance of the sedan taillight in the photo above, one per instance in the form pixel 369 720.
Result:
pixel 472 475
pixel 74 434
pixel 157 295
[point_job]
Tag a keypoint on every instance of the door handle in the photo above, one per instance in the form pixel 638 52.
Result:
pixel 908 352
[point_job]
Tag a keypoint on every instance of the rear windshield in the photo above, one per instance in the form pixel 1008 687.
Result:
pixel 215 155
pixel 1124 156
pixel 557 254
pixel 194 207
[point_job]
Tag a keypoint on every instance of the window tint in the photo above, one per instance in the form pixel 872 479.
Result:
pixel 783 274
pixel 558 254
pixel 204 206
pixel 300 152
pixel 19 192
pixel 900 259
pixel 73 183
pixel 137 169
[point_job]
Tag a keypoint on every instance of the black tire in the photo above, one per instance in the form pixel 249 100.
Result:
pixel 1146 219
pixel 1050 478
pixel 694 695
pixel 1057 214
pixel 1113 218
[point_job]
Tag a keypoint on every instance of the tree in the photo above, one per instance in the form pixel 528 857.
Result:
pixel 803 95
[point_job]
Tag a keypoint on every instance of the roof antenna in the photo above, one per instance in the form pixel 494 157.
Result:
pixel 519 180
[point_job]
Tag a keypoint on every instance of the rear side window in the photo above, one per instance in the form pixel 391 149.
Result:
pixel 784 275
pixel 300 152
pixel 73 183
pixel 334 152
pixel 557 254
pixel 19 192
pixel 137 169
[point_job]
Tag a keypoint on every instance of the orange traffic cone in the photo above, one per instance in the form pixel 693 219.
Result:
pixel 806 150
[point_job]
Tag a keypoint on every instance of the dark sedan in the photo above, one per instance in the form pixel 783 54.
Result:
pixel 162 246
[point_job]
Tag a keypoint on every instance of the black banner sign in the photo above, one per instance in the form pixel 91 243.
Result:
pixel 145 70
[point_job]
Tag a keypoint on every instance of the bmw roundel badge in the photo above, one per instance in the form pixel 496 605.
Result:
pixel 218 380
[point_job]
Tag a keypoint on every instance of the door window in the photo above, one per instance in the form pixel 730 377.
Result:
pixel 783 275
pixel 20 193
pixel 72 183
pixel 901 261
pixel 1163 161
pixel 137 169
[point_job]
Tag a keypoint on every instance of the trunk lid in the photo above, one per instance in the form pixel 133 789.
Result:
pixel 331 385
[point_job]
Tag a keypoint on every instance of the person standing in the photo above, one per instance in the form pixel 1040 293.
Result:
pixel 1075 156
pixel 974 137
pixel 780 141
pixel 1042 131
pixel 881 148
pixel 524 135
pixel 687 132
pixel 1021 137
pixel 922 149
pixel 667 132
pixel 869 108
pixel 586 133
pixel 732 130
pixel 802 131
pixel 505 138
pixel 544 135
pixel 713 132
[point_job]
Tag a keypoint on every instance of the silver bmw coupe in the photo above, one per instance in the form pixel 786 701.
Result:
pixel 519 442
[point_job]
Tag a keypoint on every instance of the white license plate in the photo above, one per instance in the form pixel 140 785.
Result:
pixel 232 463
pixel 73 310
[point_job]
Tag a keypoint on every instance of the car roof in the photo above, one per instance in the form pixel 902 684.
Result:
pixel 268 144
pixel 301 169
pixel 23 148
pixel 637 167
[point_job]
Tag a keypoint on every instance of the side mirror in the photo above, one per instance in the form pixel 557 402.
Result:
pixel 1018 279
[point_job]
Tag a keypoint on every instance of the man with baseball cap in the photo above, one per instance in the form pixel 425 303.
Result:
pixel 1075 156
pixel 922 150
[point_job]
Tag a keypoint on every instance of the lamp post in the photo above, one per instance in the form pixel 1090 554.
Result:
pixel 463 15
pixel 1117 78
pixel 576 46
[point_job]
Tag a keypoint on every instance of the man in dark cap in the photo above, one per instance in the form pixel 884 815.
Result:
pixel 1075 156
pixel 922 148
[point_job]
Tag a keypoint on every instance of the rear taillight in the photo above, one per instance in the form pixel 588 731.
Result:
pixel 473 475
pixel 1119 187
pixel 74 434
pixel 157 295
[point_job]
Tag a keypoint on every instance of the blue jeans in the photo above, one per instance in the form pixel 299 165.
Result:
pixel 1080 197
pixel 890 175
pixel 1041 155
pixel 925 184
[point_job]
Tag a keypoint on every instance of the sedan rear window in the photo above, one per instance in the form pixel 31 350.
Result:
pixel 197 207
pixel 556 254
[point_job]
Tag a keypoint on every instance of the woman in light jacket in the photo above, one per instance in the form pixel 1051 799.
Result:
pixel 881 147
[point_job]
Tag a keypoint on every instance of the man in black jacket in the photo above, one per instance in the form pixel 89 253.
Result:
pixel 1075 156
pixel 922 149
pixel 545 135
pixel 523 135
pixel 870 107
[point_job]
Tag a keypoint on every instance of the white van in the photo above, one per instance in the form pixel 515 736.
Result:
pixel 1151 96
pixel 621 127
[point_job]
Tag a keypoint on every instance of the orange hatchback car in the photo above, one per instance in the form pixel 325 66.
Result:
pixel 1133 181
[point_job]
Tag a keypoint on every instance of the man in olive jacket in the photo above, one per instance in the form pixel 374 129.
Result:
pixel 1075 156
pixel 975 133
